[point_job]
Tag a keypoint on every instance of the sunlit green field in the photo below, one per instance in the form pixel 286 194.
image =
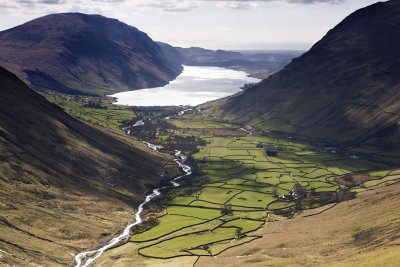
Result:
pixel 107 115
pixel 241 185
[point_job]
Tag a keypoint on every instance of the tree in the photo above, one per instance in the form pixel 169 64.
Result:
pixel 238 233
pixel 344 194
pixel 275 193
pixel 205 247
pixel 227 209
pixel 300 190
pixel 311 196
pixel 299 193
pixel 298 202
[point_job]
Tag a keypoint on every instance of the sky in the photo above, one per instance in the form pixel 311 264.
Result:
pixel 213 24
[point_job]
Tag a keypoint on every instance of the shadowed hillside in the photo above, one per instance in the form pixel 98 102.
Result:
pixel 346 88
pixel 64 185
pixel 74 53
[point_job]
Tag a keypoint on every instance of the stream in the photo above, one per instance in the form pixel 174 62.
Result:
pixel 87 258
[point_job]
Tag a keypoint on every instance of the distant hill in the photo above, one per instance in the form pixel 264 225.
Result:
pixel 259 64
pixel 64 185
pixel 346 88
pixel 75 53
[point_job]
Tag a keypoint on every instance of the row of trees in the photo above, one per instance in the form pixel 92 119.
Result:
pixel 305 199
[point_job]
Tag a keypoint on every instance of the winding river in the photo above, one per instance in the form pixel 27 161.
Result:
pixel 194 86
pixel 87 258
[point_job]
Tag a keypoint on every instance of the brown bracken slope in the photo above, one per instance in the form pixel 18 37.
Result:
pixel 64 185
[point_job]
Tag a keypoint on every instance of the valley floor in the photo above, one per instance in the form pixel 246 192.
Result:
pixel 226 213
pixel 292 206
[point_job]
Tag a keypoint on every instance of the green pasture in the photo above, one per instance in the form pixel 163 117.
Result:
pixel 217 195
pixel 167 224
pixel 106 114
pixel 204 214
pixel 180 246
pixel 241 186
pixel 245 225
pixel 219 247
pixel 252 199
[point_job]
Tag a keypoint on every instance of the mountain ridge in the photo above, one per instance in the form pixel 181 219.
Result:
pixel 64 185
pixel 259 64
pixel 345 88
pixel 78 53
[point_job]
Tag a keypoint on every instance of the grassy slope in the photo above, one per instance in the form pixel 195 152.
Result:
pixel 64 185
pixel 360 232
pixel 106 115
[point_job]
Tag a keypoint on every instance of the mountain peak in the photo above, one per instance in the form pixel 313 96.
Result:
pixel 344 88
pixel 92 54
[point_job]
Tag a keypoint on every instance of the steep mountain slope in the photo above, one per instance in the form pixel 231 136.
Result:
pixel 75 52
pixel 346 88
pixel 64 185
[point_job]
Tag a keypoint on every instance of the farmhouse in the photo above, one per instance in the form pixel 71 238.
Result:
pixel 258 144
pixel 272 153
pixel 329 149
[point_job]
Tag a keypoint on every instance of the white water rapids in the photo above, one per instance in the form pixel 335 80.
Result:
pixel 87 258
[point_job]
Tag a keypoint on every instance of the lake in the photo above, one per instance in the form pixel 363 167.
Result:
pixel 194 86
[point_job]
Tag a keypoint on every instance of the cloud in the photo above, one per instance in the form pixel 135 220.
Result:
pixel 32 3
pixel 237 4
pixel 109 1
pixel 188 5
pixel 51 2
pixel 93 6
pixel 315 1
pixel 171 5
pixel 251 4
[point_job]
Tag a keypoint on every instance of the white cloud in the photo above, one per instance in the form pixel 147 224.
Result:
pixel 214 24
pixel 251 4
pixel 237 4
pixel 287 1
pixel 170 5
pixel 164 5
pixel 316 1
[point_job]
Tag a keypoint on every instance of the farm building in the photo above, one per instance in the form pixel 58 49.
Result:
pixel 272 153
